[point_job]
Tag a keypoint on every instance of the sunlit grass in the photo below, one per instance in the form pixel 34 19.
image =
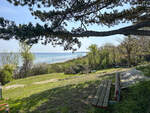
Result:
pixel 70 92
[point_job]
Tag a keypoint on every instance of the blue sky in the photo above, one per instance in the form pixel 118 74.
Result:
pixel 21 15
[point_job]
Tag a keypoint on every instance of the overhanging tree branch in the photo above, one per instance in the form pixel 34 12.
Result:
pixel 34 31
pixel 87 12
pixel 130 30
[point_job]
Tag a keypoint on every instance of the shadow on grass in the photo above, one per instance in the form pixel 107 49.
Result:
pixel 76 98
pixel 68 99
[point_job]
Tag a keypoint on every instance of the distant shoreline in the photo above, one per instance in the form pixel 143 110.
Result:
pixel 51 58
pixel 47 52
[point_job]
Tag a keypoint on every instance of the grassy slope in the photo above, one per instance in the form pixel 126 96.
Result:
pixel 72 95
pixel 135 99
pixel 68 94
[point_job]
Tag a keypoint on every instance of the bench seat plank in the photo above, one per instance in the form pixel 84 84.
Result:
pixel 102 96
pixel 105 103
pixel 95 101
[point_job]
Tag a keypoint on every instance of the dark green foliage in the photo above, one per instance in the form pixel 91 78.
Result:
pixel 58 14
pixel 103 57
pixel 6 73
pixel 130 52
pixel 145 69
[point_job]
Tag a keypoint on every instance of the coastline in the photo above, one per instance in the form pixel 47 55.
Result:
pixel 51 57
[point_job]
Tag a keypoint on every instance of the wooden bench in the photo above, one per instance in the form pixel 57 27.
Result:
pixel 102 95
pixel 101 98
pixel 117 87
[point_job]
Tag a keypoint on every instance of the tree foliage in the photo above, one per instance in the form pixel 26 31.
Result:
pixel 129 47
pixel 58 14
pixel 93 56
pixel 6 73
pixel 131 51
pixel 28 58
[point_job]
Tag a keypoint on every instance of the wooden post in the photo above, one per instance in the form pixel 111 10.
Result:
pixel 117 87
pixel 0 91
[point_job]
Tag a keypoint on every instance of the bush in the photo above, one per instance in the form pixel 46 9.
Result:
pixel 77 69
pixel 6 73
pixel 38 69
pixel 70 70
pixel 43 68
pixel 55 68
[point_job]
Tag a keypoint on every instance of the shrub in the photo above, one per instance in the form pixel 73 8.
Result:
pixel 70 70
pixel 55 68
pixel 38 69
pixel 6 73
pixel 74 69
pixel 85 69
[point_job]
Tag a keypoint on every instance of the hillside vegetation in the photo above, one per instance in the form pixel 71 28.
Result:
pixel 61 93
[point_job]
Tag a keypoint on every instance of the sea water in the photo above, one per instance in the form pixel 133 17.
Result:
pixel 50 58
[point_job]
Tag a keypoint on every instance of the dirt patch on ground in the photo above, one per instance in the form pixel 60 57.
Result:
pixel 14 86
pixel 46 81
pixel 131 77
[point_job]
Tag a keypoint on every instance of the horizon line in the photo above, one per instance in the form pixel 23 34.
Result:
pixel 48 52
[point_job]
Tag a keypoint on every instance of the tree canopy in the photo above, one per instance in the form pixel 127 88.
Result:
pixel 57 15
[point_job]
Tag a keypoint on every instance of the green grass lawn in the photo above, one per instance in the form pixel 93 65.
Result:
pixel 145 69
pixel 71 94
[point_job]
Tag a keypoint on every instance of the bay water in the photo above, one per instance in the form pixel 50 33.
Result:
pixel 50 58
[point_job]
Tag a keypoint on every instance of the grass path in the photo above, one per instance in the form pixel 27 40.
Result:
pixel 57 77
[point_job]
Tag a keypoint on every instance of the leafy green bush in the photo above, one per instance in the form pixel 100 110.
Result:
pixel 6 73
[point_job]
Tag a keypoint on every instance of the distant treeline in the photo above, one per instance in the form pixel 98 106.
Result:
pixel 130 52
